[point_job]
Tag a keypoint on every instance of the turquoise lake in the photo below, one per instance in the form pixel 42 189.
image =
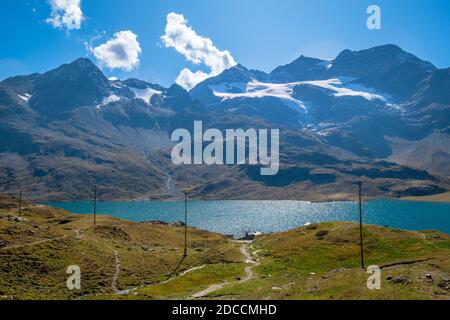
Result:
pixel 234 217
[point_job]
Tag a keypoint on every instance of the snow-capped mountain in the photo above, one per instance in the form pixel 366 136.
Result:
pixel 80 83
pixel 385 75
pixel 341 120
pixel 360 95
pixel 301 69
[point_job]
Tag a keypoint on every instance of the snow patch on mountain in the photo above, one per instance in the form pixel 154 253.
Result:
pixel 144 94
pixel 327 64
pixel 350 89
pixel 285 91
pixel 25 97
pixel 257 89
pixel 109 99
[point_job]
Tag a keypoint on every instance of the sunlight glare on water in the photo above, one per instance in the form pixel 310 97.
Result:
pixel 235 217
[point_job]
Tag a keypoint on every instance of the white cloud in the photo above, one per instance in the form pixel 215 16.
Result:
pixel 188 79
pixel 121 52
pixel 66 14
pixel 197 49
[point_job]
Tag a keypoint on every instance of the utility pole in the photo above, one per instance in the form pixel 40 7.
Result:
pixel 361 224
pixel 20 203
pixel 185 225
pixel 95 205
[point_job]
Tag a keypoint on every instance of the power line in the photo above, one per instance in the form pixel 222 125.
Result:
pixel 361 224
pixel 95 206
pixel 185 225
pixel 20 203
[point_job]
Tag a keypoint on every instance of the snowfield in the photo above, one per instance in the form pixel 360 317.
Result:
pixel 285 91
pixel 256 89
pixel 110 99
pixel 350 89
pixel 144 94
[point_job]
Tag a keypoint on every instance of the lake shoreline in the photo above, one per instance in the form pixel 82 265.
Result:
pixel 115 268
pixel 441 197
pixel 236 217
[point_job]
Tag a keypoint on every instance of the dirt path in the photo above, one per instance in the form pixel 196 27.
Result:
pixel 404 263
pixel 16 246
pixel 248 260
pixel 128 291
pixel 115 280
pixel 78 236
pixel 183 273
pixel 249 274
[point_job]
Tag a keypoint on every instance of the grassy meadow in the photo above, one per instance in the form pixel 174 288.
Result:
pixel 126 260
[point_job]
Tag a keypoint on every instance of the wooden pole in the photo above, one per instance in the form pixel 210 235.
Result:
pixel 95 206
pixel 20 203
pixel 185 225
pixel 361 224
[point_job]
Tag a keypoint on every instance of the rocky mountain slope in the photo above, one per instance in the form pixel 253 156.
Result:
pixel 341 121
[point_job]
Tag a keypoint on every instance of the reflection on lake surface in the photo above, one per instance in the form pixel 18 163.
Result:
pixel 233 217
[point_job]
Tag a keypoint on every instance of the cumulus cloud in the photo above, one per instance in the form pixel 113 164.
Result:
pixel 66 14
pixel 188 79
pixel 196 49
pixel 120 52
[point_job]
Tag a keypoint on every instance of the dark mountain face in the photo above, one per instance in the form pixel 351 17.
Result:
pixel 10 102
pixel 429 107
pixel 387 69
pixel 240 73
pixel 139 84
pixel 131 114
pixel 22 84
pixel 383 88
pixel 70 127
pixel 435 88
pixel 68 87
pixel 302 69
pixel 177 98
pixel 361 64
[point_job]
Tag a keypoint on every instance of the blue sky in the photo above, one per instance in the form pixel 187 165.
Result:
pixel 259 34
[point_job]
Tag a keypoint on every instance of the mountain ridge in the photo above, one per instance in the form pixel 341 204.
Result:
pixel 71 127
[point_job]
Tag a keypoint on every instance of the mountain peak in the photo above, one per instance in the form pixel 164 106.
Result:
pixel 389 46
pixel 238 73
pixel 239 67
pixel 175 90
pixel 302 68
pixel 79 65
pixel 306 58
pixel 386 68
pixel 392 48
pixel 79 83
pixel 387 55
pixel 82 61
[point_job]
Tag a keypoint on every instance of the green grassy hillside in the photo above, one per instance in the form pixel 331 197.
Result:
pixel 126 260
pixel 323 262
pixel 35 253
